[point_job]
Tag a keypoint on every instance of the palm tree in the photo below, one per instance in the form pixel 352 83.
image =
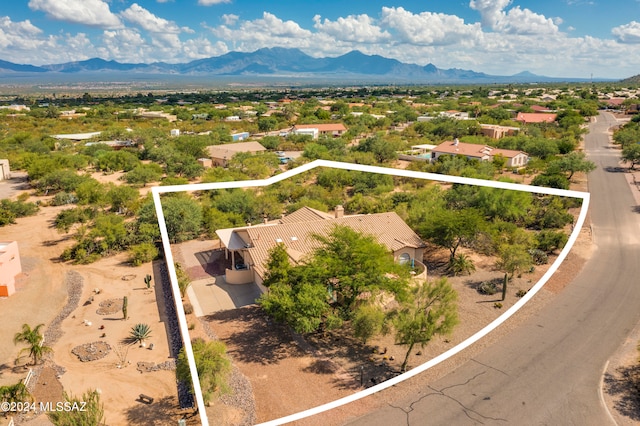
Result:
pixel 14 393
pixel 33 338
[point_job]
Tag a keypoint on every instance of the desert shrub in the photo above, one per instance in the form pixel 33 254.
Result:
pixel 461 264
pixel 64 198
pixel 143 252
pixel 10 210
pixel 548 241
pixel 488 287
pixel 188 308
pixel 539 257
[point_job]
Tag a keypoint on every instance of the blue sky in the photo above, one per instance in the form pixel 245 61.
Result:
pixel 561 38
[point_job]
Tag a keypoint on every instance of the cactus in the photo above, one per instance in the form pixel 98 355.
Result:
pixel 125 301
pixel 504 286
pixel 147 280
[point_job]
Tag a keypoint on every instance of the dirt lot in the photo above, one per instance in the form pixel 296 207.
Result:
pixel 41 296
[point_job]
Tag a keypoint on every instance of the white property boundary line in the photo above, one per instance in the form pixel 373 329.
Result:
pixel 184 329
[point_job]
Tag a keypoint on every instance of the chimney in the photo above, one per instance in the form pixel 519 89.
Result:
pixel 339 211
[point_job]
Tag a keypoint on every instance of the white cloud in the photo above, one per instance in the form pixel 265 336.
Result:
pixel 515 21
pixel 146 20
pixel 203 48
pixel 264 32
pixel 428 28
pixel 125 45
pixel 229 19
pixel 360 28
pixel 491 11
pixel 18 35
pixel 94 13
pixel 628 33
pixel 212 2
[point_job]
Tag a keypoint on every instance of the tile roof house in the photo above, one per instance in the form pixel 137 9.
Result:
pixel 494 131
pixel 328 129
pixel 535 117
pixel 249 246
pixel 221 154
pixel 480 152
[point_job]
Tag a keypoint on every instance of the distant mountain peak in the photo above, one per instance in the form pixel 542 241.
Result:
pixel 281 61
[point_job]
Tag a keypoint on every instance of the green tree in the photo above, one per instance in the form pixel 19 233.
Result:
pixel 575 162
pixel 123 199
pixel 322 292
pixel 354 262
pixel 368 321
pixel 212 364
pixel 143 252
pixel 183 217
pixel 452 228
pixel 144 174
pixel 15 393
pixel 432 310
pixel 631 154
pixel 92 413
pixel 34 341
pixel 513 259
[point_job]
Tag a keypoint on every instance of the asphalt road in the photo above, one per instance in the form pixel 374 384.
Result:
pixel 548 371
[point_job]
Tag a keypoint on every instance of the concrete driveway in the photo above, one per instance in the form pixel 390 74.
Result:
pixel 213 294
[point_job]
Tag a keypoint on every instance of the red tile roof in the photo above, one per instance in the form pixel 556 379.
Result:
pixel 535 117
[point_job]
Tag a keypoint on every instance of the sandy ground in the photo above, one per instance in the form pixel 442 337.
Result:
pixel 40 296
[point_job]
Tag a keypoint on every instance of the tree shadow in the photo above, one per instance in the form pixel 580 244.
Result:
pixel 260 339
pixel 164 411
pixel 625 388
pixel 616 169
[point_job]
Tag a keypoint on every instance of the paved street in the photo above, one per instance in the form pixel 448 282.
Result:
pixel 548 371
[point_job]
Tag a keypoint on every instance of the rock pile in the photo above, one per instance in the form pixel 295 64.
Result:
pixel 147 367
pixel 185 397
pixel 91 351
pixel 74 283
pixel 110 306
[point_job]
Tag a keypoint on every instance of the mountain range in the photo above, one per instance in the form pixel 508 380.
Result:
pixel 283 62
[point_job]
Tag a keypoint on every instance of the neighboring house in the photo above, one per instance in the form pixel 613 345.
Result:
pixel 221 154
pixel 15 107
pixel 249 246
pixel 77 136
pixel 237 137
pixel 535 117
pixel 494 131
pixel 115 145
pixel 417 153
pixel 5 172
pixel 10 267
pixel 316 130
pixel 480 152
pixel 142 113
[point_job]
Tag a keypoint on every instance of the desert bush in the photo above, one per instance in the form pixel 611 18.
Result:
pixel 143 252
pixel 188 308
pixel 488 287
